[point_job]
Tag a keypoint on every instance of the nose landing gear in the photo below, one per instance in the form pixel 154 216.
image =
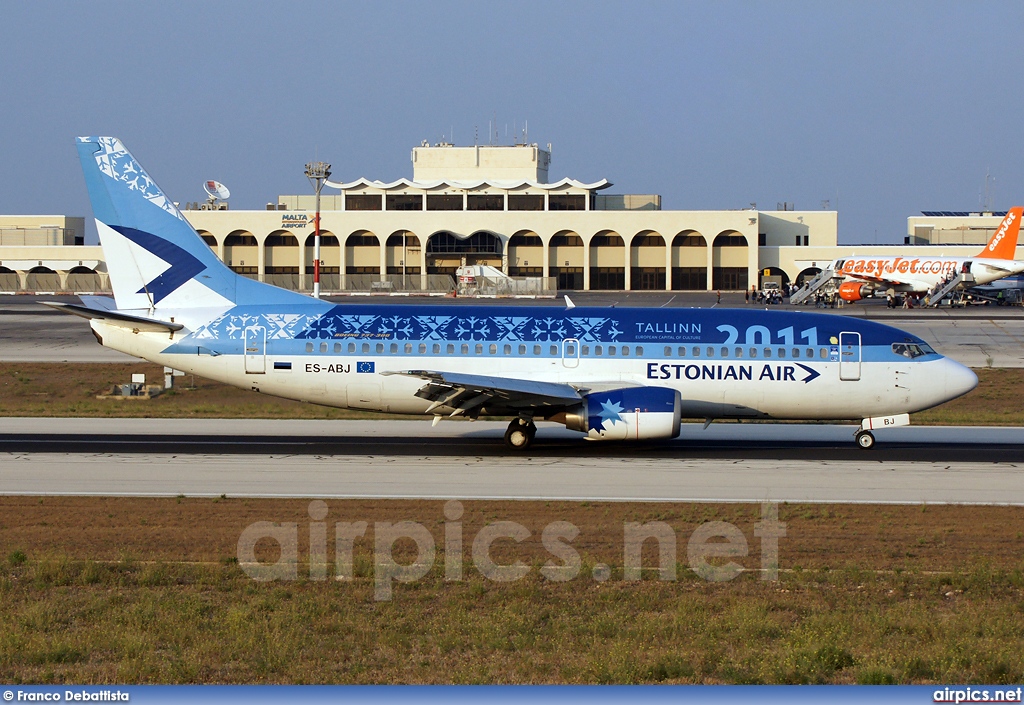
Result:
pixel 520 433
pixel 865 439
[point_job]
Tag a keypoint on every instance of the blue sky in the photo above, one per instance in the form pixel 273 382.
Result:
pixel 884 108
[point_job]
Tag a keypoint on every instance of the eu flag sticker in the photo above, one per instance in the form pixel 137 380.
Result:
pixel 362 367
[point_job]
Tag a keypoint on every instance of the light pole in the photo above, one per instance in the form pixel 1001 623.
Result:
pixel 317 173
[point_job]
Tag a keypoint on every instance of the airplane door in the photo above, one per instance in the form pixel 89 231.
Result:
pixel 255 350
pixel 570 352
pixel 849 356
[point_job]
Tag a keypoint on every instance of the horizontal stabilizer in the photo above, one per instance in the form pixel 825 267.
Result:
pixel 114 317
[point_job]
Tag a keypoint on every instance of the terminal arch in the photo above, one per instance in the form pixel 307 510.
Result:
pixel 607 261
pixel 807 274
pixel 689 261
pixel 241 253
pixel 567 259
pixel 447 251
pixel 83 279
pixel 526 255
pixel 647 261
pixel 403 257
pixel 362 260
pixel 281 259
pixel 729 261
pixel 9 280
pixel 42 279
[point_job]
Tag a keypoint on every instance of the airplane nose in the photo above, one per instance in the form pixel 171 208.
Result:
pixel 960 379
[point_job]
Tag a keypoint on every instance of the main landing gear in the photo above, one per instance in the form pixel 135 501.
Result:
pixel 520 433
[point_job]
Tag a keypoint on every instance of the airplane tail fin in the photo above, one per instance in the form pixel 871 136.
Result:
pixel 1003 244
pixel 154 257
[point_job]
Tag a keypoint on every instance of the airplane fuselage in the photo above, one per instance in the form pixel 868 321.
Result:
pixel 725 363
pixel 920 274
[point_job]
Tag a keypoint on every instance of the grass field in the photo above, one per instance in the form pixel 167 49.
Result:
pixel 38 389
pixel 101 590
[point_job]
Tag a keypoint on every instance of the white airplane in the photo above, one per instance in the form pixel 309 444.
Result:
pixel 610 373
pixel 865 276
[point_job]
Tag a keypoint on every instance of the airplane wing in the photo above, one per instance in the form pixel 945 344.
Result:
pixel 466 394
pixel 116 318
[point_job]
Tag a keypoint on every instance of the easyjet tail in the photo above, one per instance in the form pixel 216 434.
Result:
pixel 1003 244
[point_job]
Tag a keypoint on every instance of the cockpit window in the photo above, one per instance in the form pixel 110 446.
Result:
pixel 912 350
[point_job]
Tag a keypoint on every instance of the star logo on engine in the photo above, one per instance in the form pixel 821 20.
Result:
pixel 610 412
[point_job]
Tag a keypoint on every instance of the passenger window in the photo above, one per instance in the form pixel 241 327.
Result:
pixel 437 348
pixel 522 349
pixel 536 350
pixel 479 349
pixel 337 347
pixel 810 353
pixel 782 353
pixel 796 352
pixel 711 352
pixel 739 352
pixel 585 350
pixel 570 350
pixel 366 347
pixel 465 349
pixel 611 350
pixel 394 348
pixel 682 351
pixel 423 348
pixel 380 347
pixel 493 349
pixel 639 351
pixel 508 349
pixel 767 352
pixel 598 350
pixel 309 347
pixel 351 347
pixel 554 350
pixel 724 352
pixel 408 348
pixel 696 351
pixel 451 348
pixel 668 351
pixel 625 350
pixel 323 347
pixel 753 352
pixel 823 353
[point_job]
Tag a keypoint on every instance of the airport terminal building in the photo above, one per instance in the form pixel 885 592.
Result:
pixel 487 205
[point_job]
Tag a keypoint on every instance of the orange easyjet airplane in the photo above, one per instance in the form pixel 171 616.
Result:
pixel 867 275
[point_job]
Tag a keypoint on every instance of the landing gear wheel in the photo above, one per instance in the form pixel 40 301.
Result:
pixel 866 439
pixel 520 433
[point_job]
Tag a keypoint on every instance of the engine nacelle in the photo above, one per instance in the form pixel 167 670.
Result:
pixel 630 413
pixel 855 291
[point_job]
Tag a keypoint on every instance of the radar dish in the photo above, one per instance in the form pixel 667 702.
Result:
pixel 215 190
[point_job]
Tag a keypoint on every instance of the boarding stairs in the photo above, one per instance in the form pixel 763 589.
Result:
pixel 808 289
pixel 961 281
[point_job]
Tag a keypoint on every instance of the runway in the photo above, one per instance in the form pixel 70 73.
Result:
pixel 409 459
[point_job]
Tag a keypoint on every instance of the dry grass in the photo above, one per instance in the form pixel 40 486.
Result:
pixel 101 590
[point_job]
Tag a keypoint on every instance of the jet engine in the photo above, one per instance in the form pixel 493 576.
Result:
pixel 855 291
pixel 632 413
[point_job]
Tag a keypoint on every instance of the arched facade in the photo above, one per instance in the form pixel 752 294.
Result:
pixel 42 279
pixel 647 262
pixel 9 280
pixel 404 260
pixel 526 255
pixel 242 253
pixel 568 260
pixel 729 261
pixel 689 261
pixel 446 251
pixel 83 279
pixel 607 261
pixel 362 260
